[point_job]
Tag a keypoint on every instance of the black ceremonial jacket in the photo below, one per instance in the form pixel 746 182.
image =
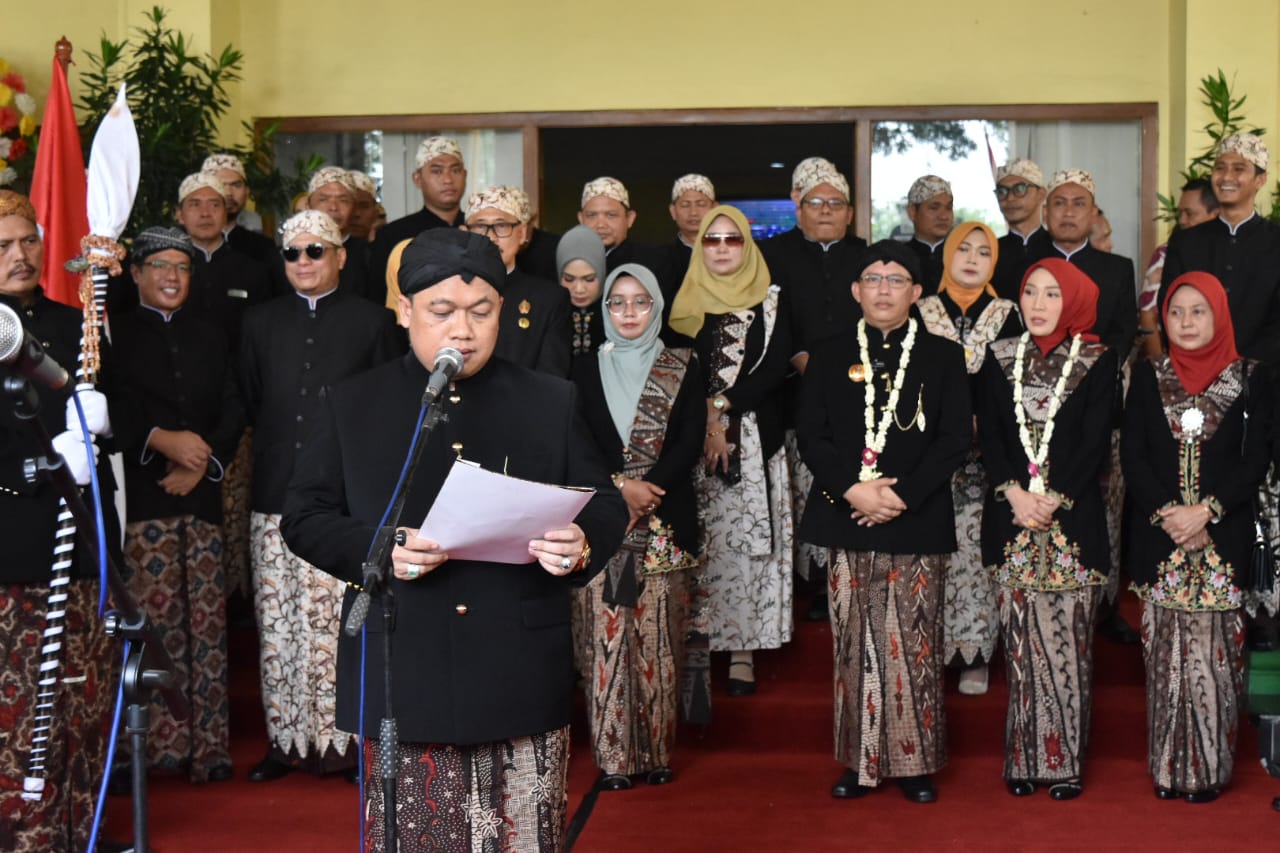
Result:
pixel 1117 323
pixel 831 431
pixel 481 651
pixel 534 329
pixel 290 355
pixel 817 284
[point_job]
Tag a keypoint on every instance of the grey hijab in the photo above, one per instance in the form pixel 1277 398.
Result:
pixel 580 243
pixel 624 364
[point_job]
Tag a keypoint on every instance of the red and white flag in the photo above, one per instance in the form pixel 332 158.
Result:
pixel 58 191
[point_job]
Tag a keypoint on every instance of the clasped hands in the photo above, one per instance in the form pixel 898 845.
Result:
pixel 875 502
pixel 642 498
pixel 415 556
pixel 1185 525
pixel 1032 511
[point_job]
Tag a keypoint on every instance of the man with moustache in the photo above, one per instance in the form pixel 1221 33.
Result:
pixel 1020 193
pixel 62 817
pixel 930 207
pixel 294 349
pixel 229 169
pixel 885 420
pixel 332 190
pixel 482 656
pixel 442 177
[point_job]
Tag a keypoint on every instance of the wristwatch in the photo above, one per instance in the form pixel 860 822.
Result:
pixel 585 559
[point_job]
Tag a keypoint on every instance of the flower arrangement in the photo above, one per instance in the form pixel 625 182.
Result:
pixel 17 128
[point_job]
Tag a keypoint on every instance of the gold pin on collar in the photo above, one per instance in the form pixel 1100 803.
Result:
pixel 857 373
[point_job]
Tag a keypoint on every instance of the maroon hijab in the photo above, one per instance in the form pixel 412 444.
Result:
pixel 1079 303
pixel 1198 368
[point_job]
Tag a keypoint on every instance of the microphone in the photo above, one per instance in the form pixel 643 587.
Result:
pixel 19 348
pixel 448 363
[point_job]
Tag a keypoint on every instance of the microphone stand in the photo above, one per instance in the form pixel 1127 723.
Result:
pixel 149 666
pixel 375 584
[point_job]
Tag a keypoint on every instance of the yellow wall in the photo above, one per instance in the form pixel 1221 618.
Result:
pixel 335 57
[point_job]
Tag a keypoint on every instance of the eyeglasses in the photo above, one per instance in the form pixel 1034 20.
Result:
pixel 619 305
pixel 315 251
pixel 832 204
pixel 1019 189
pixel 497 229
pixel 710 239
pixel 163 267
pixel 897 282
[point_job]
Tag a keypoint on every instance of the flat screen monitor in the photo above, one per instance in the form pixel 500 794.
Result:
pixel 768 216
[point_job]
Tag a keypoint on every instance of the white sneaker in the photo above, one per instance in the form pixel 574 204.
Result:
pixel 973 680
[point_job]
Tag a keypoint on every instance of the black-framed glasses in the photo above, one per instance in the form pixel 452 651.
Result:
pixel 897 282
pixel 832 204
pixel 1018 190
pixel 497 229
pixel 315 251
pixel 710 239
pixel 163 267
pixel 619 305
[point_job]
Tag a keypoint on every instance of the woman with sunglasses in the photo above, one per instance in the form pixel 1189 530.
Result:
pixel 1044 424
pixel 1194 448
pixel 730 309
pixel 580 260
pixel 644 405
pixel 967 310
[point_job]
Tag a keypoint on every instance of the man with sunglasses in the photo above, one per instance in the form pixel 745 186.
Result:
pixel 294 348
pixel 1020 194
pixel 814 264
pixel 534 329
pixel 931 209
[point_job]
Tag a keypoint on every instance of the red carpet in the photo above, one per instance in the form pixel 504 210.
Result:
pixel 758 779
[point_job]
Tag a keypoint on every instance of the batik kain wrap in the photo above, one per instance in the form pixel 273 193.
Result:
pixel 79 726
pixel 509 795
pixel 634 612
pixel 1194 664
pixel 175 571
pixel 887 635
pixel 1048 642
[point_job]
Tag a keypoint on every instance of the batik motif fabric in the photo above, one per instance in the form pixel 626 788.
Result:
pixel 61 819
pixel 298 608
pixel 1048 643
pixel 175 573
pixel 236 483
pixel 969 610
pixel 1195 665
pixel 1113 500
pixel 810 560
pixel 633 673
pixel 509 795
pixel 887 633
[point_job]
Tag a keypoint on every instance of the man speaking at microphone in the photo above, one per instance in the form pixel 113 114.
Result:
pixel 482 661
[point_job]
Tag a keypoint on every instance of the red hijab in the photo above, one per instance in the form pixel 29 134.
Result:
pixel 1198 368
pixel 1079 303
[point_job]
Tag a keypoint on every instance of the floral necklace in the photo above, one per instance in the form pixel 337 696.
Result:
pixel 1037 454
pixel 876 435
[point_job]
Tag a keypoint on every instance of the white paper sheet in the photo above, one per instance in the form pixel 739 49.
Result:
pixel 483 515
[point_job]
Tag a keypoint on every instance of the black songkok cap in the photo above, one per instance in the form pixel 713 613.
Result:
pixel 159 239
pixel 442 253
pixel 891 252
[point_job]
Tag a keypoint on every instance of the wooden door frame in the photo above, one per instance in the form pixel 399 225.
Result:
pixel 861 118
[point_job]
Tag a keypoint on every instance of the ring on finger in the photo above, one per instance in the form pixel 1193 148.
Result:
pixel 565 563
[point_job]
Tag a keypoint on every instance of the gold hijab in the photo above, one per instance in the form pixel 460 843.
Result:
pixel 704 292
pixel 961 295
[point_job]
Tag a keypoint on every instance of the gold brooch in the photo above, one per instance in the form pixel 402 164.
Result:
pixel 523 322
pixel 524 306
pixel 857 373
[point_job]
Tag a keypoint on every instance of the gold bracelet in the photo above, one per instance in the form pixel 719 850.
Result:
pixel 714 433
pixel 619 481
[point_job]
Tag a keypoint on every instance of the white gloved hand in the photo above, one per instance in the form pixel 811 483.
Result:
pixel 72 448
pixel 94 404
